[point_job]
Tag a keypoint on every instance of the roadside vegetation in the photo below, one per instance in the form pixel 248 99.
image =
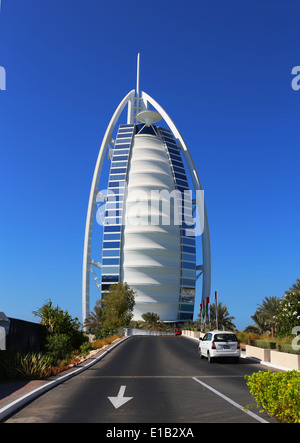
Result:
pixel 64 343
pixel 277 393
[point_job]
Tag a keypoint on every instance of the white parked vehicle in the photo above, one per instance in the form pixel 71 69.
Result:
pixel 219 344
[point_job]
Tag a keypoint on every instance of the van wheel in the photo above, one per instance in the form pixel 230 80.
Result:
pixel 209 358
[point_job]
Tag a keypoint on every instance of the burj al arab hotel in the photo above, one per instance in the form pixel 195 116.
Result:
pixel 152 214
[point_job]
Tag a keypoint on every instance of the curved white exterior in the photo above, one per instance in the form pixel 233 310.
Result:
pixel 206 252
pixel 92 203
pixel 151 254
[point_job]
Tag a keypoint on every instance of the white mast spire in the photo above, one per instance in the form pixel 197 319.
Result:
pixel 138 76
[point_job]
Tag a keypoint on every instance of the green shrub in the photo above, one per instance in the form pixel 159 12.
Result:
pixel 285 347
pixel 15 365
pixel 85 348
pixel 277 393
pixel 265 344
pixel 34 366
pixel 58 347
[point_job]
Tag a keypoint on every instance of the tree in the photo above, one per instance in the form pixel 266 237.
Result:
pixel 59 322
pixel 152 320
pixel 268 310
pixel 288 315
pixel 260 326
pixel 94 322
pixel 118 306
pixel 56 320
pixel 224 318
pixel 295 286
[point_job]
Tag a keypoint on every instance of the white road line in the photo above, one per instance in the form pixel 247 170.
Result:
pixel 186 377
pixel 256 417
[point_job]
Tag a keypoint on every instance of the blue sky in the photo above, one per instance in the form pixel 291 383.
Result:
pixel 222 71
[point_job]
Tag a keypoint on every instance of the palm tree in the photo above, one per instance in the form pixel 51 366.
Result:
pixel 152 320
pixel 295 286
pixel 268 310
pixel 260 326
pixel 94 322
pixel 224 318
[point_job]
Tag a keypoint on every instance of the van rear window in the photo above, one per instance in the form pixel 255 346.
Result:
pixel 225 337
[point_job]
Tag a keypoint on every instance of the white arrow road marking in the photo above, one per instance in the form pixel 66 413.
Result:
pixel 120 399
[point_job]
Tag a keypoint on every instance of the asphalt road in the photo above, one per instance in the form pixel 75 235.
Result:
pixel 160 380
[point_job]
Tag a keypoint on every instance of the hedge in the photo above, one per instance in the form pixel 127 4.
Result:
pixel 265 344
pixel 277 393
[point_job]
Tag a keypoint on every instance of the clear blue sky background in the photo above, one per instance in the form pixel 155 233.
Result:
pixel 222 70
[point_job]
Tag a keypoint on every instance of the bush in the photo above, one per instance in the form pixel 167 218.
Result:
pixel 58 347
pixel 34 366
pixel 246 337
pixel 103 342
pixel 277 393
pixel 31 366
pixel 285 347
pixel 85 348
pixel 265 344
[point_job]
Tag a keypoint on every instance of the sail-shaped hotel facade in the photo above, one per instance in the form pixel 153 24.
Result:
pixel 149 213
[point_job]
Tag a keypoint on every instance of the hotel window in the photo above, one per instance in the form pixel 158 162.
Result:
pixel 110 245
pixel 110 278
pixel 111 253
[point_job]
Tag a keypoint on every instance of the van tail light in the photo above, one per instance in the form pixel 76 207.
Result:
pixel 213 346
pixel 238 345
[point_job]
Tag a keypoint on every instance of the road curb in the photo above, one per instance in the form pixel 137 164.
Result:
pixel 19 403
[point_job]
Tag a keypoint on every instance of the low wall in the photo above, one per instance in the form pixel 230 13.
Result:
pixel 283 359
pixel 259 353
pixel 130 331
pixel 291 361
pixel 194 334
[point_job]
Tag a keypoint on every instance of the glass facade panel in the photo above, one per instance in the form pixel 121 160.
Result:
pixel 188 282
pixel 117 177
pixel 111 253
pixel 118 170
pixel 117 184
pixel 112 236
pixel 124 135
pixel 117 164
pixel 189 273
pixel 120 157
pixel 113 208
pixel 110 278
pixel 184 316
pixel 116 205
pixel 109 270
pixel 111 245
pixel 121 151
pixel 189 249
pixel 187 308
pixel 189 257
pixel 110 261
pixel 188 243
pixel 188 265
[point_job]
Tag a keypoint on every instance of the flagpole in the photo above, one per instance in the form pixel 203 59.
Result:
pixel 208 311
pixel 216 299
